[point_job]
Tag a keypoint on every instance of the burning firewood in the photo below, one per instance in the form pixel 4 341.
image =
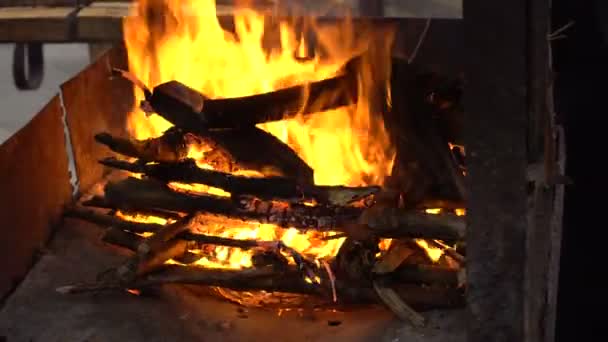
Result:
pixel 193 112
pixel 230 150
pixel 265 188
pixel 154 251
pixel 136 194
pixel 389 265
pixel 397 253
pixel 411 273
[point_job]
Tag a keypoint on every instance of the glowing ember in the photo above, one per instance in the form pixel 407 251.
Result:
pixel 434 211
pixel 434 253
pixel 183 40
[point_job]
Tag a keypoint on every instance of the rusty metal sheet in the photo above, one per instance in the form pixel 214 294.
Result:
pixel 94 102
pixel 35 187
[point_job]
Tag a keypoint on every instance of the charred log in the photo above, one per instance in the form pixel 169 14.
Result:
pixel 265 188
pixel 254 149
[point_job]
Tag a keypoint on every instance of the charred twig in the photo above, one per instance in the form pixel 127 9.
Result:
pixel 171 146
pixel 119 237
pixel 111 221
pixel 393 301
pixel 161 237
pixel 101 202
pixel 266 188
pixel 449 251
pixel 268 279
pixel 154 251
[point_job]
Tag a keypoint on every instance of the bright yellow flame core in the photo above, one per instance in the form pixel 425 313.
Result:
pixel 434 253
pixel 184 41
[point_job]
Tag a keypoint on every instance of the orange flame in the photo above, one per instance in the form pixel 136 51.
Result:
pixel 184 41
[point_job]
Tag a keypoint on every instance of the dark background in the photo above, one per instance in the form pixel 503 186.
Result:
pixel 581 95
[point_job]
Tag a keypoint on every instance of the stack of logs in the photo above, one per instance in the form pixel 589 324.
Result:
pixel 283 193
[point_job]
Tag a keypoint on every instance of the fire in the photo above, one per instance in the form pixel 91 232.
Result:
pixel 184 41
pixel 434 253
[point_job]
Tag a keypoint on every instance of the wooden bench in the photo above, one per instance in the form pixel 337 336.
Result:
pixel 101 21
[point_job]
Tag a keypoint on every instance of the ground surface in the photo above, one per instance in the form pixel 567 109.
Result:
pixel 18 107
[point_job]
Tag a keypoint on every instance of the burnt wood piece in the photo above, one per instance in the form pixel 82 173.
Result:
pixel 101 202
pixel 266 188
pixel 138 266
pixel 424 164
pixel 448 250
pixel 396 254
pixel 119 237
pixel 400 308
pixel 171 146
pixel 255 149
pixel 163 236
pixel 129 240
pixel 153 252
pixel 268 279
pixel 355 259
pixel 111 221
pixel 191 111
